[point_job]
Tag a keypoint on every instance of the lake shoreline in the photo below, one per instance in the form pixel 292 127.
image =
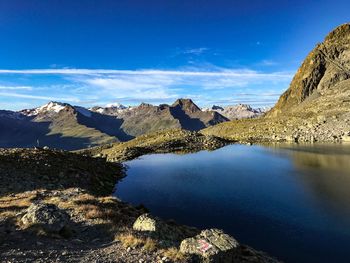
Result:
pixel 92 225
pixel 329 157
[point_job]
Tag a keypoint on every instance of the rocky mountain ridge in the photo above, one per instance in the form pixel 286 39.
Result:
pixel 237 112
pixel 63 126
pixel 326 66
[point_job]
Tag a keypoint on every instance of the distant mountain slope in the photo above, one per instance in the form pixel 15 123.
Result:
pixel 237 112
pixel 316 106
pixel 147 118
pixel 63 126
pixel 57 125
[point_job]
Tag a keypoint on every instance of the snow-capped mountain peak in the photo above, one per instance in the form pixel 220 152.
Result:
pixel 51 107
pixel 115 105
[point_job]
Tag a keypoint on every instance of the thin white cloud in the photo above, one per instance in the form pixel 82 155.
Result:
pixel 36 97
pixel 223 73
pixel 267 62
pixel 154 86
pixel 15 88
pixel 196 51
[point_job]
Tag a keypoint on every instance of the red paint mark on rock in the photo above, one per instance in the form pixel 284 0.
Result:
pixel 204 246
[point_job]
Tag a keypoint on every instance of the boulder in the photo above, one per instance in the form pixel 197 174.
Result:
pixel 147 222
pixel 48 216
pixel 157 228
pixel 211 245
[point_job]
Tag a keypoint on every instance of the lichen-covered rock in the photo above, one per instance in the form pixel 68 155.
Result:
pixel 211 245
pixel 48 216
pixel 157 228
pixel 147 222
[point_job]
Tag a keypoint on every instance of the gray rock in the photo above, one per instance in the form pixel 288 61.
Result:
pixel 211 245
pixel 47 216
pixel 156 227
pixel 147 222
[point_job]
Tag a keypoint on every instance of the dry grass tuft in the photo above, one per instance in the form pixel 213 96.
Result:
pixel 174 255
pixel 129 240
pixel 93 212
pixel 10 206
pixel 150 245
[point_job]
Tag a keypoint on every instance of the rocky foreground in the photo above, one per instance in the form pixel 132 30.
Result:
pixel 57 206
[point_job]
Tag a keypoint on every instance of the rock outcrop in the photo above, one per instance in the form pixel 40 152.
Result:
pixel 46 216
pixel 327 65
pixel 149 223
pixel 211 245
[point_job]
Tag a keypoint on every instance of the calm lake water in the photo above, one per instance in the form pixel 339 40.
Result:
pixel 290 201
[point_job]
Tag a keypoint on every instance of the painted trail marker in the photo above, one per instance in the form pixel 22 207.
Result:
pixel 204 246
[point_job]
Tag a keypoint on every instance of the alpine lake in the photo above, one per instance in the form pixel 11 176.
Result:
pixel 289 200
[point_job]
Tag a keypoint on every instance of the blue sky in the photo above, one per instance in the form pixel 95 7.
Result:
pixel 99 52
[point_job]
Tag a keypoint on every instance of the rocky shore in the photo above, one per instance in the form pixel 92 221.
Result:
pixel 56 206
pixel 176 141
pixel 330 129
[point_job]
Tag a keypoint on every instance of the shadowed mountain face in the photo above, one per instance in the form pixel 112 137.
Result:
pixel 63 126
pixel 193 118
pixel 146 118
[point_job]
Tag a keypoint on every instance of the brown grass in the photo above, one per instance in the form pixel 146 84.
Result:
pixel 174 255
pixel 105 209
pixel 150 245
pixel 133 241
pixel 93 212
pixel 130 240
pixel 11 205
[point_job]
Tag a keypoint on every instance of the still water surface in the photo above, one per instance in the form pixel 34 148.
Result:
pixel 290 201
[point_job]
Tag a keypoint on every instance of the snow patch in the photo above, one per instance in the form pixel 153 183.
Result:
pixel 52 106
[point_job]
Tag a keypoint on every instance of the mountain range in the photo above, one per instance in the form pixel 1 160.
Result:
pixel 314 108
pixel 237 112
pixel 63 126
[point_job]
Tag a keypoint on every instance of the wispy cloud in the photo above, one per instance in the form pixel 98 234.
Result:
pixel 267 62
pixel 84 86
pixel 222 73
pixel 36 97
pixel 15 88
pixel 195 51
